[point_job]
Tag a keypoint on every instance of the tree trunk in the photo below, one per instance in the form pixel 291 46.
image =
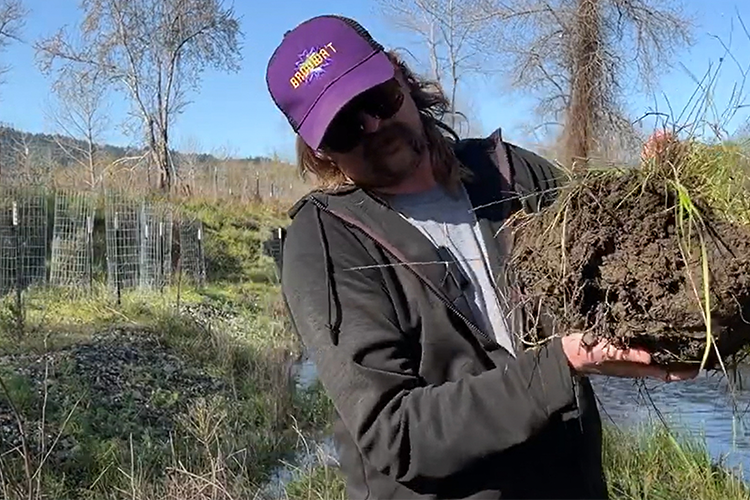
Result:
pixel 586 81
pixel 165 169
pixel 453 99
pixel 92 164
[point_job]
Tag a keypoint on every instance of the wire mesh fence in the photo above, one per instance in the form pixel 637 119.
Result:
pixel 192 260
pixel 123 245
pixel 273 247
pixel 8 243
pixel 31 204
pixel 23 238
pixel 72 241
pixel 155 246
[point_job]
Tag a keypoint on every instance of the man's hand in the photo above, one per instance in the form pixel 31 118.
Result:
pixel 603 358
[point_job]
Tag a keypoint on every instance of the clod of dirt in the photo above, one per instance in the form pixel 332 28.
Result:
pixel 621 275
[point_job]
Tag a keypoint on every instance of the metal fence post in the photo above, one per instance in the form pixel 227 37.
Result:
pixel 19 271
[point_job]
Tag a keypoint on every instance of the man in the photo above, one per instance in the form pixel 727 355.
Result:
pixel 395 276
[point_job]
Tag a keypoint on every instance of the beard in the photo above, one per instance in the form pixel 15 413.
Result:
pixel 392 154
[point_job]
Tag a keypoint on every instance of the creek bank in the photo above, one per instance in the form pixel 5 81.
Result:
pixel 711 409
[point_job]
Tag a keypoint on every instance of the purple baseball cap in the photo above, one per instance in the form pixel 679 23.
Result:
pixel 321 65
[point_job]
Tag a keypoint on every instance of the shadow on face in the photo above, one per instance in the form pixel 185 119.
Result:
pixel 390 150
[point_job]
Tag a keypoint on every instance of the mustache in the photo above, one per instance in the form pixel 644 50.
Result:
pixel 393 132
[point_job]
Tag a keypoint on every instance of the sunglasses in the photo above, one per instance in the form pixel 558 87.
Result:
pixel 346 130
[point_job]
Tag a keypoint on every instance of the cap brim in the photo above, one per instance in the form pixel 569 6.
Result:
pixel 374 71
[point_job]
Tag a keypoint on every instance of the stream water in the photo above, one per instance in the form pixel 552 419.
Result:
pixel 708 406
pixel 713 407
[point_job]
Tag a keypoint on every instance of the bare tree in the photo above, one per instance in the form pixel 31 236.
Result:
pixel 467 122
pixel 80 113
pixel 579 57
pixel 153 50
pixel 189 162
pixel 12 14
pixel 453 34
pixel 24 154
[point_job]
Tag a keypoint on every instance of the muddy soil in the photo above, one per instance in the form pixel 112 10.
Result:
pixel 622 275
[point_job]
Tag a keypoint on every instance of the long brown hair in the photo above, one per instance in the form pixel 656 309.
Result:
pixel 432 105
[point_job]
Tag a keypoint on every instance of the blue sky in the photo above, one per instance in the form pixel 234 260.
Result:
pixel 234 112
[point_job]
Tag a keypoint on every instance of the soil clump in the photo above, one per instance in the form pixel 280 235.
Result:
pixel 608 259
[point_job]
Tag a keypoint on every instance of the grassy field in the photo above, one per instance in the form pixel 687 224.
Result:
pixel 187 393
pixel 144 398
pixel 180 394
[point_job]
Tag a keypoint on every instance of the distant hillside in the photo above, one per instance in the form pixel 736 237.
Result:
pixel 45 150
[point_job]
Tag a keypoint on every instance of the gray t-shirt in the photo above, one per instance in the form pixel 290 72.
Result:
pixel 450 222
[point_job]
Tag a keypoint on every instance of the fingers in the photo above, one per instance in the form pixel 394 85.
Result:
pixel 610 352
pixel 637 363
pixel 606 358
pixel 683 374
pixel 667 375
pixel 632 356
pixel 628 369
